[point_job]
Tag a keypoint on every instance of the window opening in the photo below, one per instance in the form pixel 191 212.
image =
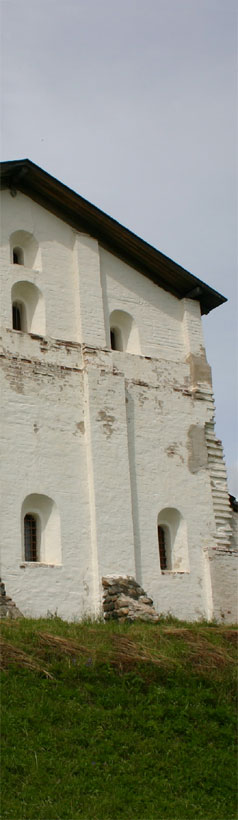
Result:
pixel 162 548
pixel 116 338
pixel 30 537
pixel 113 339
pixel 16 316
pixel 18 256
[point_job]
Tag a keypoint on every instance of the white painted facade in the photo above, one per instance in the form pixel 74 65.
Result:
pixel 103 445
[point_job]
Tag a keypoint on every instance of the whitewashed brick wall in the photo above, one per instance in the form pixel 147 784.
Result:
pixel 112 438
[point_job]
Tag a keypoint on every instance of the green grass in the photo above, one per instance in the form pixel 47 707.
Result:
pixel 129 722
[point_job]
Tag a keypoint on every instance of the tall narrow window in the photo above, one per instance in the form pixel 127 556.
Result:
pixel 162 548
pixel 30 537
pixel 16 316
pixel 30 308
pixel 18 256
pixel 40 527
pixel 172 541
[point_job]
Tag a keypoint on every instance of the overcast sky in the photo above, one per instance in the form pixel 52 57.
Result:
pixel 133 105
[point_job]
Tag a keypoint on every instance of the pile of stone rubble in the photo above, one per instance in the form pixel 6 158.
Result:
pixel 7 607
pixel 125 600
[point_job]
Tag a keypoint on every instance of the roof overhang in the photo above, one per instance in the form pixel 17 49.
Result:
pixel 23 175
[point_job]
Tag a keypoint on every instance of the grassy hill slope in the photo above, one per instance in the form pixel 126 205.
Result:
pixel 109 722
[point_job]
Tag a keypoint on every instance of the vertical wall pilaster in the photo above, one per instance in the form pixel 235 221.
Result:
pixel 91 323
pixel 109 478
pixel 192 327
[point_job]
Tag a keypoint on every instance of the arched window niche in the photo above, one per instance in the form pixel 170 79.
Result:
pixel 28 309
pixel 124 334
pixel 41 535
pixel 172 541
pixel 24 250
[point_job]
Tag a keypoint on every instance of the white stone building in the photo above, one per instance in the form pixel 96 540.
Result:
pixel 109 460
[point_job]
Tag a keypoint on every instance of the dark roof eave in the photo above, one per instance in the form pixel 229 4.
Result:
pixel 56 197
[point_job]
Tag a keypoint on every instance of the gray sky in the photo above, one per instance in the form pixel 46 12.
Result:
pixel 133 105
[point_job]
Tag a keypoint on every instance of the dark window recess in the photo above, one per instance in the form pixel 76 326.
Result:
pixel 116 338
pixel 113 339
pixel 18 256
pixel 30 537
pixel 16 317
pixel 162 548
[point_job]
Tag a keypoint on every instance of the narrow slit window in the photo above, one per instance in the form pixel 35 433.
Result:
pixel 16 316
pixel 162 548
pixel 30 537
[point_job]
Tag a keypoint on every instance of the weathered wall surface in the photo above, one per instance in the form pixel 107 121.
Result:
pixel 157 314
pixel 224 577
pixel 53 271
pixel 43 451
pixel 234 528
pixel 112 450
pixel 112 439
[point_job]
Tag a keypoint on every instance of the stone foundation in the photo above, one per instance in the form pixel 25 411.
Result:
pixel 7 607
pixel 125 600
